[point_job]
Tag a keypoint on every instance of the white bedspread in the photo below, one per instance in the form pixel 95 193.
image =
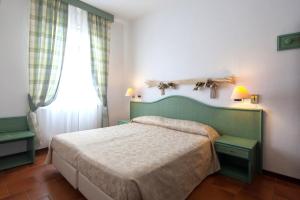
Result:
pixel 70 145
pixel 140 161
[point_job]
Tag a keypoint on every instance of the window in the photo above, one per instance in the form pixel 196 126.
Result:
pixel 76 106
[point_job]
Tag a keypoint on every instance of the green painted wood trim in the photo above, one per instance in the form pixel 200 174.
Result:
pixel 90 9
pixel 15 136
pixel 237 173
pixel 7 162
pixel 237 141
pixel 12 124
pixel 15 129
pixel 244 123
pixel 120 122
pixel 288 41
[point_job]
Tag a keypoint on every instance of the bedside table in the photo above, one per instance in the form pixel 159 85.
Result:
pixel 237 157
pixel 123 121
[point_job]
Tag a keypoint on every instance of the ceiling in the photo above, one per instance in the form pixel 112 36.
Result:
pixel 127 9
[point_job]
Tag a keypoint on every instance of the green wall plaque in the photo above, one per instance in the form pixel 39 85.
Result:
pixel 288 41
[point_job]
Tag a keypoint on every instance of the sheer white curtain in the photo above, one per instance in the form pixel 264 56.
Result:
pixel 77 106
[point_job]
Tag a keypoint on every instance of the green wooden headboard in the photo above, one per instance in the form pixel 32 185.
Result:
pixel 243 123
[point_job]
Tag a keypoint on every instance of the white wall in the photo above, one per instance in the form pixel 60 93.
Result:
pixel 200 38
pixel 14 31
pixel 117 102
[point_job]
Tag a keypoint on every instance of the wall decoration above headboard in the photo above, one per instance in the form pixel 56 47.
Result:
pixel 212 84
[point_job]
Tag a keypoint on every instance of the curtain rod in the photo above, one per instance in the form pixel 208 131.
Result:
pixel 90 9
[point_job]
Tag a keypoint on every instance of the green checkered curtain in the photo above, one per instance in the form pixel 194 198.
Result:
pixel 48 31
pixel 99 29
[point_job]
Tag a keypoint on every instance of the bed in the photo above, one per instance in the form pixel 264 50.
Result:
pixel 150 158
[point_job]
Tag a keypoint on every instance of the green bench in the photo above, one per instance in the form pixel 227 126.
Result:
pixel 15 129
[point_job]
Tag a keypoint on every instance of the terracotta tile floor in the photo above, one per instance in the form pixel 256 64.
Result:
pixel 44 182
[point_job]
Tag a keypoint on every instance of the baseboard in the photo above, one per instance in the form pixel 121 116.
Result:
pixel 282 177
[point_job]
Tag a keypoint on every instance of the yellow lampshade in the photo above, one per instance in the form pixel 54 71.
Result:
pixel 239 93
pixel 129 92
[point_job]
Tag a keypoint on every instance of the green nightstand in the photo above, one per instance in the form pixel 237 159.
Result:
pixel 120 122
pixel 15 129
pixel 237 157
